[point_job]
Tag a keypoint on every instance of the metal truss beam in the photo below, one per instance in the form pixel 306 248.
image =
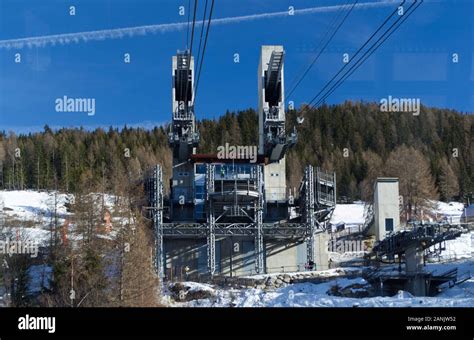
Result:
pixel 287 230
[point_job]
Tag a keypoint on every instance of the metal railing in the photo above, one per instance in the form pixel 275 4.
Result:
pixel 183 114
pixel 273 114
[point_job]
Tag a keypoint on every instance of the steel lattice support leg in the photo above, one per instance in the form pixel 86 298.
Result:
pixel 159 254
pixel 310 249
pixel 259 245
pixel 158 220
pixel 259 262
pixel 309 209
pixel 211 220
pixel 211 244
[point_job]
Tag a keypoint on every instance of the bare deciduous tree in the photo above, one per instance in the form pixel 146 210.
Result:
pixel 415 178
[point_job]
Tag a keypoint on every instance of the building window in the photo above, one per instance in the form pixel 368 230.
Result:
pixel 389 224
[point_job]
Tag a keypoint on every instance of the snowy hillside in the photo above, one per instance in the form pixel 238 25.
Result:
pixel 352 215
pixel 33 211
pixel 33 205
pixel 450 212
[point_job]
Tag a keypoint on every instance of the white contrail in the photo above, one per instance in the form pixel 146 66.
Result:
pixel 116 33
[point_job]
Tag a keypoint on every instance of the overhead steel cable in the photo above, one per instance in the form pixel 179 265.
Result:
pixel 371 50
pixel 330 27
pixel 204 50
pixel 360 62
pixel 189 56
pixel 202 31
pixel 192 29
pixel 293 89
pixel 187 29
pixel 357 52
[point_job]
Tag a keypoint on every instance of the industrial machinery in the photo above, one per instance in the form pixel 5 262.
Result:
pixel 235 216
pixel 411 247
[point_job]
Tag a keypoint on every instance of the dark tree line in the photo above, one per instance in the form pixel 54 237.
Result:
pixel 360 143
pixel 354 139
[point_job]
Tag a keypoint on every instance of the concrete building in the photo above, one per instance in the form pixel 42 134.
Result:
pixel 386 206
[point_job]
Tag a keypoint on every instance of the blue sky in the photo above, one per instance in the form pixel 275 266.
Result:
pixel 414 62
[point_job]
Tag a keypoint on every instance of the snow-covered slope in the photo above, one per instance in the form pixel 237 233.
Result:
pixel 33 212
pixel 352 215
pixel 33 205
pixel 450 212
pixel 39 205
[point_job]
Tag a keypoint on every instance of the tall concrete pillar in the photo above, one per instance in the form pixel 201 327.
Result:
pixel 416 283
pixel 321 254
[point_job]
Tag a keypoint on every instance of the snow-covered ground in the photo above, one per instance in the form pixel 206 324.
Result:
pixel 352 215
pixel 450 212
pixel 458 253
pixel 459 248
pixel 334 272
pixel 316 295
pixel 33 205
pixel 346 256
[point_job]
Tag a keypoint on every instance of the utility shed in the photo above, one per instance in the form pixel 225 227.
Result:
pixel 386 206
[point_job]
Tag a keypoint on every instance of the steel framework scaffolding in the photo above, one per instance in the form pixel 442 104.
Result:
pixel 312 219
